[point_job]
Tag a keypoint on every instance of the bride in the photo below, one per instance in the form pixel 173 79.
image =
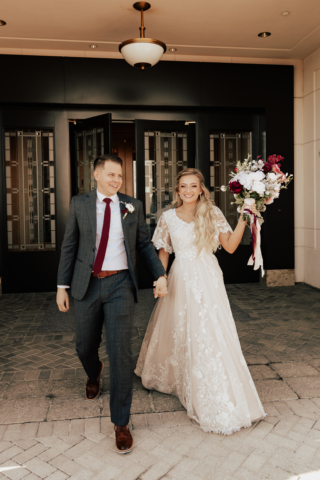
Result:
pixel 191 348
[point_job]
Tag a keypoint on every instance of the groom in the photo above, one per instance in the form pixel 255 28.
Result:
pixel 98 261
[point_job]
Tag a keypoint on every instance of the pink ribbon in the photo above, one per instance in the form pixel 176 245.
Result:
pixel 256 257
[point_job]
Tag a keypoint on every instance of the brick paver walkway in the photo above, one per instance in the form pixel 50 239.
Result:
pixel 48 430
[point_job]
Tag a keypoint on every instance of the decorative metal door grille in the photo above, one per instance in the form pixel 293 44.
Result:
pixel 165 155
pixel 225 150
pixel 90 144
pixel 30 190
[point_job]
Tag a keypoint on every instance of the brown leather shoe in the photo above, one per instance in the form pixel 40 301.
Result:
pixel 124 440
pixel 93 389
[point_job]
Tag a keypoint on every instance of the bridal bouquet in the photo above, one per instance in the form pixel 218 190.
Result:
pixel 257 182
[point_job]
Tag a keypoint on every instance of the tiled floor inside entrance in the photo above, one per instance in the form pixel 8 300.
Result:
pixel 48 430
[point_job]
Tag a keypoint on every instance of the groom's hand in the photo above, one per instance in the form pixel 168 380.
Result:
pixel 62 300
pixel 160 287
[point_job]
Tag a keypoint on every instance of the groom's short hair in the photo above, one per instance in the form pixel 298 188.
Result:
pixel 102 159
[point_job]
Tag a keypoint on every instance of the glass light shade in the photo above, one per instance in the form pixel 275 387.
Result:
pixel 145 51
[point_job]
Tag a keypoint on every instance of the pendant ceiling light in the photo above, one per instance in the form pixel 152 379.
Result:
pixel 142 52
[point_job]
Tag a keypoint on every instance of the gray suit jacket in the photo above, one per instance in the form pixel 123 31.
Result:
pixel 78 246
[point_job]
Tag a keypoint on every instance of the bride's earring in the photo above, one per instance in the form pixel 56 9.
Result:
pixel 200 196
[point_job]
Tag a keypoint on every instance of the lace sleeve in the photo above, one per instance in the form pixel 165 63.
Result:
pixel 222 226
pixel 161 237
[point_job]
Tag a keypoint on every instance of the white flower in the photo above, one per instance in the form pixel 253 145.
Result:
pixel 129 207
pixel 245 179
pixel 272 177
pixel 257 175
pixel 258 187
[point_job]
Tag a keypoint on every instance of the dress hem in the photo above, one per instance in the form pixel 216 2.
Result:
pixel 205 429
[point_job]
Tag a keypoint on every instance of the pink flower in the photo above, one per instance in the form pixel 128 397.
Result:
pixel 282 177
pixel 276 168
pixel 235 169
pixel 270 200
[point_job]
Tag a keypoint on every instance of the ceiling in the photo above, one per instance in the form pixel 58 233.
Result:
pixel 203 28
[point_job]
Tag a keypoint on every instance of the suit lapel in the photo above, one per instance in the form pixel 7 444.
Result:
pixel 91 208
pixel 124 221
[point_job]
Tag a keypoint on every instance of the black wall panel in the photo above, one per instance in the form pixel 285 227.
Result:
pixel 114 82
pixel 278 229
pixel 32 79
pixel 87 81
pixel 241 85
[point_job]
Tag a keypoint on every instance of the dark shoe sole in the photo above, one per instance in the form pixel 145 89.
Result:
pixel 99 385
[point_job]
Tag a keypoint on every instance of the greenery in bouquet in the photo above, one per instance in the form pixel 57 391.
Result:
pixel 259 179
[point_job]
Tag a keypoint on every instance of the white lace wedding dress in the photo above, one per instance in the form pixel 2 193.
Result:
pixel 191 348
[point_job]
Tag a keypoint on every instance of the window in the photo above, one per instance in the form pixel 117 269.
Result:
pixel 30 185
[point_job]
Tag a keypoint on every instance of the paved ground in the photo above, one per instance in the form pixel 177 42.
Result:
pixel 48 430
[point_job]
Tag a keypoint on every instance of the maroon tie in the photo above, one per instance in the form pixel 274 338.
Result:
pixel 104 238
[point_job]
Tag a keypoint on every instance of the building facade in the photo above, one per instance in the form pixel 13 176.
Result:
pixel 61 112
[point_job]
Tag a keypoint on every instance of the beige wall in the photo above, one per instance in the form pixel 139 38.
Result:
pixel 308 228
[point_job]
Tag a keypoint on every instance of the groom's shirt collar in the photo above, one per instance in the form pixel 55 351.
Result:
pixel 101 197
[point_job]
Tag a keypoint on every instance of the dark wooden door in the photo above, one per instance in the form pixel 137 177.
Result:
pixel 89 138
pixel 123 145
pixel 163 148
pixel 233 135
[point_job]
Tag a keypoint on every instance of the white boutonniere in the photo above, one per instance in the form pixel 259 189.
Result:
pixel 129 208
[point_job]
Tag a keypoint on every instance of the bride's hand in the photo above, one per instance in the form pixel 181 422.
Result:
pixel 253 209
pixel 160 287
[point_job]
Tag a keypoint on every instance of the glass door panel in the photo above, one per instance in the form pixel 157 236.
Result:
pixel 165 155
pixel 163 148
pixel 30 186
pixel 89 138
pixel 226 149
pixel 90 144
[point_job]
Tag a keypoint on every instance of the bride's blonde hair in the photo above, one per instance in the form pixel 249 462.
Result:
pixel 204 217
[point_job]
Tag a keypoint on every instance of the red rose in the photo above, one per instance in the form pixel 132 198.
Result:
pixel 124 210
pixel 235 187
pixel 272 159
pixel 267 167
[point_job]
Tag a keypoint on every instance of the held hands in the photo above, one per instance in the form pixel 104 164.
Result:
pixel 62 300
pixel 160 287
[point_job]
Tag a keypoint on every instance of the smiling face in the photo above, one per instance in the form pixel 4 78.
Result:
pixel 109 178
pixel 189 188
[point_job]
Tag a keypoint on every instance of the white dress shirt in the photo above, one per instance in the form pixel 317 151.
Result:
pixel 115 257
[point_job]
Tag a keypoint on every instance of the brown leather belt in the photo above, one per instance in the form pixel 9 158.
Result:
pixel 106 273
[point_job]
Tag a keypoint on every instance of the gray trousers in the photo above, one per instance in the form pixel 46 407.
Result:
pixel 110 301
